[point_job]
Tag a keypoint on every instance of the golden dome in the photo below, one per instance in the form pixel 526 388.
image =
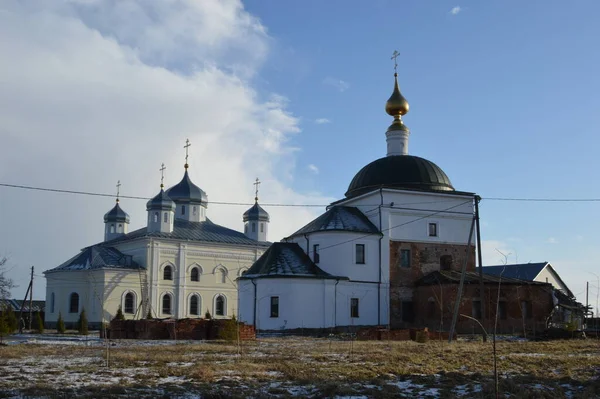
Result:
pixel 396 105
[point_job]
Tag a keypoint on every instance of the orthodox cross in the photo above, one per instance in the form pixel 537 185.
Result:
pixel 186 146
pixel 395 58
pixel 118 189
pixel 256 184
pixel 162 174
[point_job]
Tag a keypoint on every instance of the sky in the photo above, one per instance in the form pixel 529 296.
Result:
pixel 503 97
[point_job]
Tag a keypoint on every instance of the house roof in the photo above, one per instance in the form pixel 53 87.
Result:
pixel 285 259
pixel 452 277
pixel 15 304
pixel 340 218
pixel 523 271
pixel 205 231
pixel 98 257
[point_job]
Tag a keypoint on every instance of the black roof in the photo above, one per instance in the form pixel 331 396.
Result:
pixel 116 215
pixel 205 231
pixel 256 213
pixel 285 259
pixel 340 218
pixel 187 192
pixel 401 172
pixel 160 201
pixel 453 276
pixel 524 271
pixel 98 257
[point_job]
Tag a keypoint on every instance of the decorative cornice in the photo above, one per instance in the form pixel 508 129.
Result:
pixel 210 254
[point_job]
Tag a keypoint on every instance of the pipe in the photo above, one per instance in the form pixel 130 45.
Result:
pixel 255 294
pixel 379 282
pixel 337 281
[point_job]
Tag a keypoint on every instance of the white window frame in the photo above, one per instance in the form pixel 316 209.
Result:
pixel 437 228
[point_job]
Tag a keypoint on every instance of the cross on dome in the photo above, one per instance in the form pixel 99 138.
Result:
pixel 118 189
pixel 162 175
pixel 395 56
pixel 186 146
pixel 256 184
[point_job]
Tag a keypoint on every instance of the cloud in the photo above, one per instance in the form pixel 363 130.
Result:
pixel 338 84
pixel 100 91
pixel 455 10
pixel 322 121
pixel 552 240
pixel 313 168
pixel 492 250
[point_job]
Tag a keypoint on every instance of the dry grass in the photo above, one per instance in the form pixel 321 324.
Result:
pixel 286 367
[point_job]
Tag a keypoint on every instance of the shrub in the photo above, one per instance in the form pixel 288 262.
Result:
pixel 149 315
pixel 3 326
pixel 11 319
pixel 228 330
pixel 82 323
pixel 60 324
pixel 38 323
pixel 119 315
pixel 207 315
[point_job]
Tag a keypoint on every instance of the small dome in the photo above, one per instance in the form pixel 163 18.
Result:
pixel 160 202
pixel 396 105
pixel 256 213
pixel 116 215
pixel 187 192
pixel 401 172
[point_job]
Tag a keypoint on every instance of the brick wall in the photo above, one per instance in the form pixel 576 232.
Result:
pixel 424 259
pixel 184 329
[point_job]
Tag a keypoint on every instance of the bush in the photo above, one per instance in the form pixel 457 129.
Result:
pixel 207 315
pixel 149 315
pixel 82 323
pixel 60 324
pixel 3 326
pixel 119 315
pixel 228 330
pixel 11 319
pixel 38 323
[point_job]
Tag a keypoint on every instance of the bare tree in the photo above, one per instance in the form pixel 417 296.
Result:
pixel 6 284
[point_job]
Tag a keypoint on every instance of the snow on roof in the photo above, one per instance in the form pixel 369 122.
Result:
pixel 340 218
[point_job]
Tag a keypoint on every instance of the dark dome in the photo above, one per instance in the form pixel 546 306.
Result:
pixel 187 192
pixel 116 215
pixel 402 172
pixel 256 213
pixel 160 202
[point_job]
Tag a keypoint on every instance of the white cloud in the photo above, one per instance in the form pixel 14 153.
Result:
pixel 313 168
pixel 455 10
pixel 492 253
pixel 322 121
pixel 98 91
pixel 338 84
pixel 552 240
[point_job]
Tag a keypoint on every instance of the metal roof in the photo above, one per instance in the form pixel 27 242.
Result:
pixel 340 218
pixel 160 201
pixel 205 231
pixel 187 192
pixel 15 304
pixel 256 213
pixel 523 271
pixel 452 277
pixel 285 259
pixel 98 257
pixel 116 214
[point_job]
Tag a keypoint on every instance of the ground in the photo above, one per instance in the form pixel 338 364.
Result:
pixel 281 367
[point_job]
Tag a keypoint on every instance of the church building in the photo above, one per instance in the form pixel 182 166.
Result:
pixel 360 263
pixel 180 265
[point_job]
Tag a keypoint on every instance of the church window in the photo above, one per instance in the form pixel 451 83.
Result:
pixel 120 227
pixel 408 314
pixel 166 304
pixel 220 306
pixel 194 210
pixel 183 209
pixel 195 274
pixel 166 218
pixel 129 303
pixel 477 309
pixel 433 230
pixel 222 276
pixel 254 227
pixel 74 303
pixel 353 307
pixel 262 227
pixel 446 262
pixel 194 305
pixel 155 217
pixel 316 255
pixel 360 253
pixel 274 306
pixel 246 228
pixel 168 273
pixel 405 258
pixel 52 303
pixel 112 228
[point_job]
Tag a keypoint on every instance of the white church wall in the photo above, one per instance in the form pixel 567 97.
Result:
pixel 366 294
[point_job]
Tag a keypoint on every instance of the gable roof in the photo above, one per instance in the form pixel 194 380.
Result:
pixel 285 259
pixel 453 277
pixel 205 231
pixel 15 304
pixel 340 218
pixel 523 271
pixel 98 257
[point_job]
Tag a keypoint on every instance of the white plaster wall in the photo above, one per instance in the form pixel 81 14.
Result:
pixel 548 276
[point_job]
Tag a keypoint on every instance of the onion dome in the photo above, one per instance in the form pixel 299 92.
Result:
pixel 397 106
pixel 187 192
pixel 404 172
pixel 256 213
pixel 116 215
pixel 161 202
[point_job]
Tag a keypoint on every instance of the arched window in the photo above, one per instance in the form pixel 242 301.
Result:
pixel 194 305
pixel 112 228
pixel 195 275
pixel 166 218
pixel 246 228
pixel 446 262
pixel 168 273
pixel 155 217
pixel 253 227
pixel 129 303
pixel 74 303
pixel 220 306
pixel 166 304
pixel 183 209
pixel 222 276
pixel 52 303
pixel 262 227
pixel 194 210
pixel 120 227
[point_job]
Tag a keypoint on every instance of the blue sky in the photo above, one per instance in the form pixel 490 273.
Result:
pixel 503 97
